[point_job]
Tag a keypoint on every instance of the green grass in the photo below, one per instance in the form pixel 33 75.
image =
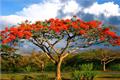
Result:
pixel 19 76
pixel 65 75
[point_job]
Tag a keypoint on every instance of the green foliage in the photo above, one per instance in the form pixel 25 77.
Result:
pixel 76 75
pixel 50 67
pixel 115 67
pixel 87 67
pixel 84 75
pixel 27 69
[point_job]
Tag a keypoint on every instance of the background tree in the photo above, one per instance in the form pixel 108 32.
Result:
pixel 106 56
pixel 9 58
pixel 39 59
pixel 75 34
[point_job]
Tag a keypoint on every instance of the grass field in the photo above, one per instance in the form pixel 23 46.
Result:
pixel 51 76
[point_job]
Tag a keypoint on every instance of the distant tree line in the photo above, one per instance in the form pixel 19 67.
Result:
pixel 102 59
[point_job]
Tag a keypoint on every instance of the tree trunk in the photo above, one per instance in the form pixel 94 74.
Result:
pixel 58 71
pixel 104 66
pixel 58 66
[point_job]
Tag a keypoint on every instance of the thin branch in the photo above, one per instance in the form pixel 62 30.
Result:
pixel 110 61
pixel 68 34
pixel 51 46
pixel 68 42
pixel 51 58
pixel 43 47
pixel 57 41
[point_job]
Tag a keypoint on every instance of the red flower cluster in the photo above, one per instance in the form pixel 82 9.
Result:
pixel 26 30
pixel 113 38
pixel 82 31
pixel 109 33
pixel 94 23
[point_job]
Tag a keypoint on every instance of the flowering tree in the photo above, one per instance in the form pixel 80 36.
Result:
pixel 75 33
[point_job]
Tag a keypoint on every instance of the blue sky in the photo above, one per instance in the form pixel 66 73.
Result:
pixel 16 11
pixel 103 1
pixel 12 6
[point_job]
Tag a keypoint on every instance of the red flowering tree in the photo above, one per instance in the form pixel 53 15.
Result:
pixel 47 34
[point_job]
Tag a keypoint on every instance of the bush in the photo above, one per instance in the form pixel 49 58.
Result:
pixel 50 67
pixel 68 69
pixel 86 72
pixel 84 75
pixel 87 67
pixel 115 67
pixel 27 69
pixel 76 75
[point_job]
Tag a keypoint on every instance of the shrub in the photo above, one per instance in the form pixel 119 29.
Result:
pixel 76 75
pixel 27 68
pixel 84 75
pixel 50 67
pixel 87 67
pixel 115 67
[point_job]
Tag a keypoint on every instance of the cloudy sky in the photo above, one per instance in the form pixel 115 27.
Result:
pixel 16 11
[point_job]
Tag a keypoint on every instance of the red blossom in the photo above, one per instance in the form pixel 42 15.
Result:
pixel 20 34
pixel 94 23
pixel 102 38
pixel 26 30
pixel 112 34
pixel 12 37
pixel 84 26
pixel 106 29
pixel 82 32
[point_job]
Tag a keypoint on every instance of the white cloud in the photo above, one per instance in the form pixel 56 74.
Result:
pixel 41 11
pixel 107 9
pixel 12 19
pixel 50 9
pixel 71 7
pixel 45 10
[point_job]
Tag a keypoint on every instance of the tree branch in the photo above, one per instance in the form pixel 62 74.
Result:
pixel 52 46
pixel 57 41
pixel 110 60
pixel 64 55
pixel 68 42
pixel 44 48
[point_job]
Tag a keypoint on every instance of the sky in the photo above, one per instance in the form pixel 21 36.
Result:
pixel 15 11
